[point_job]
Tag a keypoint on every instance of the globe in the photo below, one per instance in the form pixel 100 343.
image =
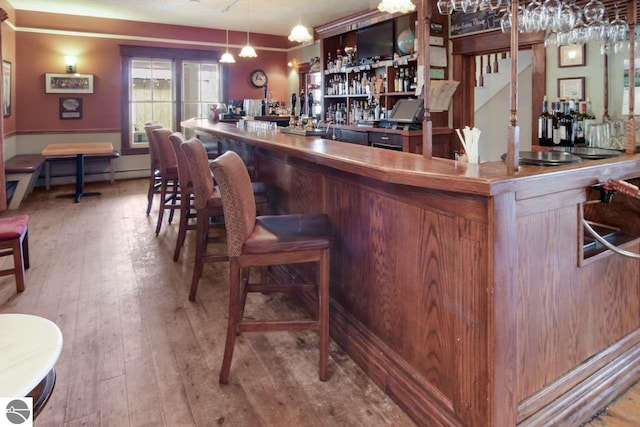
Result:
pixel 405 41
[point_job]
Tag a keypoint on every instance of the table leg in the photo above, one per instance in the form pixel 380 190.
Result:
pixel 79 182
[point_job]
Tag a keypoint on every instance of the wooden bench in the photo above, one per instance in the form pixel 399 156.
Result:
pixel 72 159
pixel 23 169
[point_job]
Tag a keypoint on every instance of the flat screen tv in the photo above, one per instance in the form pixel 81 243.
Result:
pixel 376 40
pixel 407 111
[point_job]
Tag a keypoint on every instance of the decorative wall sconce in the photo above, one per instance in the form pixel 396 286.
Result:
pixel 70 62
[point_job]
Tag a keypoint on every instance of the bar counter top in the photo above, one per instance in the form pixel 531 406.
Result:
pixel 488 178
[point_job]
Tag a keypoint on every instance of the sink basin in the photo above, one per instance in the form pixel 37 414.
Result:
pixel 548 158
pixel 589 153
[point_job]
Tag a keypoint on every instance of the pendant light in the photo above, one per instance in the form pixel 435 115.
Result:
pixel 396 6
pixel 227 57
pixel 248 51
pixel 300 33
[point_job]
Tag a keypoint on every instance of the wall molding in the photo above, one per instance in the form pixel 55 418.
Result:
pixel 136 38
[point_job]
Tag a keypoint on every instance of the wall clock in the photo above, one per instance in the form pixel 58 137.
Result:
pixel 258 78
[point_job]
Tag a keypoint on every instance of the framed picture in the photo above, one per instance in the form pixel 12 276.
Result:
pixel 70 108
pixel 6 88
pixel 571 88
pixel 572 55
pixel 68 83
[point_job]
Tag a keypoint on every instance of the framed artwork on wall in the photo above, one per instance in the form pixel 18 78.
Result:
pixel 70 108
pixel 68 83
pixel 571 88
pixel 6 88
pixel 572 55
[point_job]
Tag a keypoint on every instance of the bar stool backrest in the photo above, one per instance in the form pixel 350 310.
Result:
pixel 184 175
pixel 238 200
pixel 153 150
pixel 198 162
pixel 165 150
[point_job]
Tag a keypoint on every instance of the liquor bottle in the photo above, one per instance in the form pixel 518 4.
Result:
pixel 589 120
pixel 329 63
pixel 556 124
pixel 566 131
pixel 405 81
pixel 545 124
pixel 580 134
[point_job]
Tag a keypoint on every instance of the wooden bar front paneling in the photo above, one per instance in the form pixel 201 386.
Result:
pixel 465 302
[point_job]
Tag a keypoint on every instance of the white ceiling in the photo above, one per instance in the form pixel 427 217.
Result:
pixel 262 16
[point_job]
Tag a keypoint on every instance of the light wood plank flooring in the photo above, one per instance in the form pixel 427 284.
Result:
pixel 137 352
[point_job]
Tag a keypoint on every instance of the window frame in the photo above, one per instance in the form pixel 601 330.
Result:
pixel 128 52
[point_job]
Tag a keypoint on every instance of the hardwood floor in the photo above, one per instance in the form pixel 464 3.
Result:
pixel 137 352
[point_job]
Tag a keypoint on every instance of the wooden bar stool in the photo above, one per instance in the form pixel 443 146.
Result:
pixel 168 173
pixel 269 240
pixel 14 240
pixel 155 180
pixel 208 206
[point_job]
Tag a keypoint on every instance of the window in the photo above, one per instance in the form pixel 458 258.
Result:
pixel 200 87
pixel 152 96
pixel 151 91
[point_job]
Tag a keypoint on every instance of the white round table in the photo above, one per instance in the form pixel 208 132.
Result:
pixel 29 348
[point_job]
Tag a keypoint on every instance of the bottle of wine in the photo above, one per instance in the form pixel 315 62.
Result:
pixel 545 124
pixel 566 130
pixel 589 120
pixel 556 124
pixel 580 134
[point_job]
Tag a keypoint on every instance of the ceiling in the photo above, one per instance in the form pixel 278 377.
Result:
pixel 275 17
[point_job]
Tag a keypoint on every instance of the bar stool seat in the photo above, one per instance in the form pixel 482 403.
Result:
pixel 264 241
pixel 14 240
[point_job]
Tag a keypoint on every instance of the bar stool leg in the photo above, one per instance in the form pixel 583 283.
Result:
pixel 25 249
pixel 163 194
pixel 234 311
pixel 202 229
pixel 18 264
pixel 323 312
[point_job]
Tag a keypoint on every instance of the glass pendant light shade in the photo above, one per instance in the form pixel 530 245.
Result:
pixel 226 57
pixel 300 34
pixel 396 6
pixel 248 51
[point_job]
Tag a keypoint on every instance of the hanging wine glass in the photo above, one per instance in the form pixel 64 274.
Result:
pixel 551 11
pixel 551 39
pixel 566 18
pixel 618 28
pixel 533 17
pixel 494 4
pixel 470 6
pixel 505 22
pixel 458 5
pixel 594 11
pixel 598 30
pixel 484 5
pixel 445 7
pixel 580 32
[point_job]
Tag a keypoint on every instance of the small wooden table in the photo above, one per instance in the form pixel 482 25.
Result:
pixel 29 349
pixel 78 149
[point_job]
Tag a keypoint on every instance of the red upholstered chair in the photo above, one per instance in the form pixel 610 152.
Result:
pixel 269 240
pixel 14 240
pixel 155 180
pixel 168 174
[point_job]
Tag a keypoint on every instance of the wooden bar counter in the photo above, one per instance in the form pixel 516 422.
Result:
pixel 463 291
